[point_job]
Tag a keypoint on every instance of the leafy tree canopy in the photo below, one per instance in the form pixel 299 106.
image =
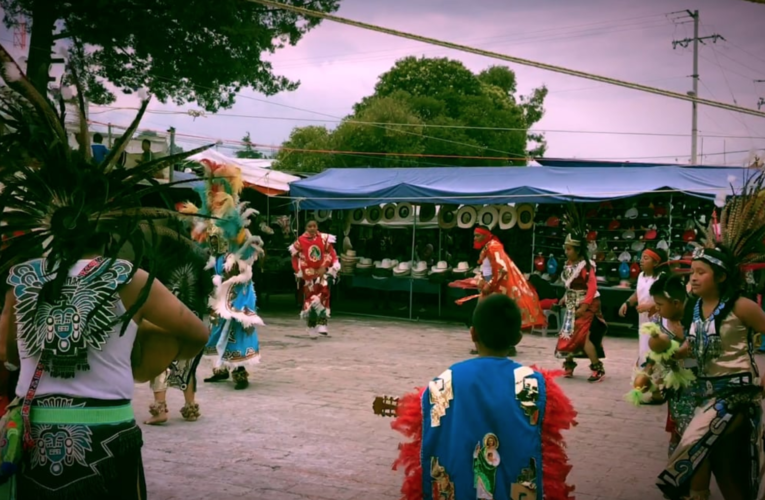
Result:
pixel 433 110
pixel 180 50
pixel 249 150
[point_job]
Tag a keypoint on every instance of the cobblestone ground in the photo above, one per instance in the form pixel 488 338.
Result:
pixel 305 428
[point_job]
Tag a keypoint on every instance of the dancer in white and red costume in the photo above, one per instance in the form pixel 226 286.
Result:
pixel 315 261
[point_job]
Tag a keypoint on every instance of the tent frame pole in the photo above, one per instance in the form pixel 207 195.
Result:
pixel 411 280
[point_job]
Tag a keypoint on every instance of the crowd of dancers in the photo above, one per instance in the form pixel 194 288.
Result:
pixel 103 291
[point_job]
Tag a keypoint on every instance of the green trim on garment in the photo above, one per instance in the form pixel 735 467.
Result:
pixel 100 415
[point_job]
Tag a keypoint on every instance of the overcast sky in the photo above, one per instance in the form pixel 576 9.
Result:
pixel 338 65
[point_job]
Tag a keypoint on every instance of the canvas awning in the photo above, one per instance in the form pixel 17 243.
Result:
pixel 267 181
pixel 346 188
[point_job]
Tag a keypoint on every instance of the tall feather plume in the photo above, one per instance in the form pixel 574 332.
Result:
pixel 574 221
pixel 742 222
pixel 58 204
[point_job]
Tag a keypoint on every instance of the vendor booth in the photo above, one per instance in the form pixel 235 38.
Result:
pixel 405 233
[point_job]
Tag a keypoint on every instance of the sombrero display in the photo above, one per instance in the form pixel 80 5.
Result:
pixel 404 212
pixel 427 212
pixel 357 215
pixel 508 217
pixel 488 216
pixel 447 216
pixel 466 217
pixel 525 216
pixel 374 214
pixel 389 212
pixel 322 215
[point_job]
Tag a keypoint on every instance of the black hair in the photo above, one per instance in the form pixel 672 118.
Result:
pixel 731 286
pixel 497 322
pixel 98 138
pixel 669 286
pixel 146 141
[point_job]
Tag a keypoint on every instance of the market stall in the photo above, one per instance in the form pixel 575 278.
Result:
pixel 465 197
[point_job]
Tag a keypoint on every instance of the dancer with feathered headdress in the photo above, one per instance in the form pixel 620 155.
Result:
pixel 222 228
pixel 724 436
pixel 81 323
pixel 583 326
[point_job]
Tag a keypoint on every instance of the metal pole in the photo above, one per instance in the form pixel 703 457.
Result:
pixel 172 151
pixel 411 280
pixel 695 117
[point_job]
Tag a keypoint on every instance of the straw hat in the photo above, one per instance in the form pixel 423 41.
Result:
pixel 357 216
pixel 447 216
pixel 508 217
pixel 466 217
pixel 389 212
pixel 525 216
pixel 404 212
pixel 427 212
pixel 322 215
pixel 373 214
pixel 403 269
pixel 488 216
pixel 440 267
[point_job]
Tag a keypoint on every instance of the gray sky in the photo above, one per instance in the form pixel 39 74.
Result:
pixel 338 65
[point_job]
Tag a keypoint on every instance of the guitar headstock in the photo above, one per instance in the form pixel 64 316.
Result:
pixel 385 406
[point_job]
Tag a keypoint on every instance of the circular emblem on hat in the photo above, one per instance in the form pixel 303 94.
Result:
pixel 389 212
pixel 374 214
pixel 357 216
pixel 508 217
pixel 314 253
pixel 466 217
pixel 525 216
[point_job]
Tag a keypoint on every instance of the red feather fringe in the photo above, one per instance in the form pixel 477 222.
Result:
pixel 559 416
pixel 409 423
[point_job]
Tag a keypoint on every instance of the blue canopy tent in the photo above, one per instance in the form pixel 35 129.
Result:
pixel 348 188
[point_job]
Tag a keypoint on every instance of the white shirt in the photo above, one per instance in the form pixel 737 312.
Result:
pixel 110 376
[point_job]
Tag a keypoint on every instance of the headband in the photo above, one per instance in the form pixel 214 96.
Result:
pixel 653 255
pixel 700 254
pixel 483 231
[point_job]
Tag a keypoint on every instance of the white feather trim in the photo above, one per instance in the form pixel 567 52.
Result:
pixel 210 263
pixel 293 251
pixel 331 239
pixel 217 280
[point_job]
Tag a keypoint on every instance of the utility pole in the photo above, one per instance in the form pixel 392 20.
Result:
pixel 761 102
pixel 695 92
pixel 172 150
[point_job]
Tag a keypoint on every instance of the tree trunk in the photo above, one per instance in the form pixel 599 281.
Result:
pixel 40 44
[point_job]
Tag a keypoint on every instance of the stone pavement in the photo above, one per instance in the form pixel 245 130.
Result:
pixel 305 428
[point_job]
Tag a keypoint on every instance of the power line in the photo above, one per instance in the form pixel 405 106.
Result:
pixel 193 137
pixel 549 67
pixel 196 114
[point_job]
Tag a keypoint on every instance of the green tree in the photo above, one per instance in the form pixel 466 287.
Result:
pixel 180 50
pixel 249 150
pixel 295 154
pixel 435 111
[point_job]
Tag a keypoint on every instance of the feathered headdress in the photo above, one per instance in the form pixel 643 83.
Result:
pixel 573 223
pixel 736 242
pixel 224 219
pixel 56 202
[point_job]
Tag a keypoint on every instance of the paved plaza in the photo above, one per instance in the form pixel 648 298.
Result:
pixel 305 428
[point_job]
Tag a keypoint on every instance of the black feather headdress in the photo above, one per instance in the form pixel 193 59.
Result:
pixel 735 242
pixel 59 204
pixel 574 225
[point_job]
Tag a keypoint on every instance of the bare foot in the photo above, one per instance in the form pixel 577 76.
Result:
pixel 157 420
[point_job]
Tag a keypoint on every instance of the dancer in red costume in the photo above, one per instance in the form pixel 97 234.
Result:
pixel 315 261
pixel 499 274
